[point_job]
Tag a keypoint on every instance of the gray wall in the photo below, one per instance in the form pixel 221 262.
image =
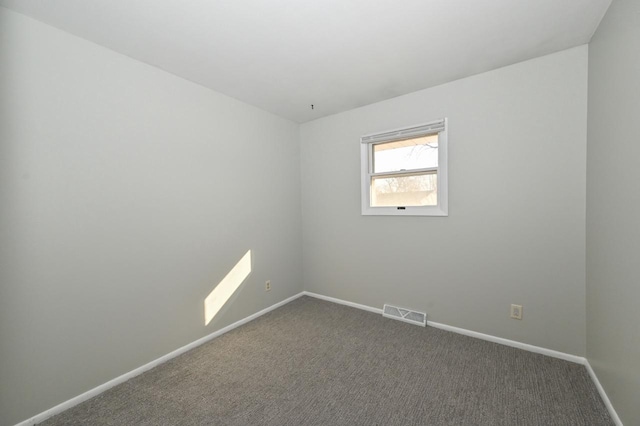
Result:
pixel 126 195
pixel 516 226
pixel 613 208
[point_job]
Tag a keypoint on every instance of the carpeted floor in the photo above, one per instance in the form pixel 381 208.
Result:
pixel 313 362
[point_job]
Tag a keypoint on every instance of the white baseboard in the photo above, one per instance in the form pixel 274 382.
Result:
pixel 513 343
pixel 482 336
pixel 343 302
pixel 123 378
pixel 603 395
pixel 500 340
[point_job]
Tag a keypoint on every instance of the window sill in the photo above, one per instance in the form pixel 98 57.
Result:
pixel 407 211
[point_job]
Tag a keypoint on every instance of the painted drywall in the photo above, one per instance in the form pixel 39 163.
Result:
pixel 127 194
pixel 613 208
pixel 516 226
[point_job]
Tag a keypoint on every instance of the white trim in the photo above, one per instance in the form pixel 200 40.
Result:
pixel 513 343
pixel 499 340
pixel 343 302
pixel 441 209
pixel 406 132
pixel 482 336
pixel 123 378
pixel 603 395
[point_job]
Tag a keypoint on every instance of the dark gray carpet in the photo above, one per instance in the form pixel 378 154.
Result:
pixel 312 362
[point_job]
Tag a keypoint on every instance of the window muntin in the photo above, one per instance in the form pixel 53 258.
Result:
pixel 404 172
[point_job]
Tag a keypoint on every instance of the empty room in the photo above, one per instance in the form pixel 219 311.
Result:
pixel 355 212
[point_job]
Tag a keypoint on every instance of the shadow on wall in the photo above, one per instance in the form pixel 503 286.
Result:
pixel 226 288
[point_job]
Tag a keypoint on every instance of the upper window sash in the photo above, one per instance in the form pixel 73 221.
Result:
pixel 368 142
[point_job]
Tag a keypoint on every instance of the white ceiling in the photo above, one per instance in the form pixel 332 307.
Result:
pixel 284 55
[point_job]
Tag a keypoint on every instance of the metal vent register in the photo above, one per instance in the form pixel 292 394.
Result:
pixel 406 315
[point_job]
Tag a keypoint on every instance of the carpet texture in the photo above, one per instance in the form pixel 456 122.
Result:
pixel 313 362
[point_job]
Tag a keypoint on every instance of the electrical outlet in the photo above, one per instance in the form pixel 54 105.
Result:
pixel 267 285
pixel 516 312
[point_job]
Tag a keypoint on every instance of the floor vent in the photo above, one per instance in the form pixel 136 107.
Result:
pixel 406 315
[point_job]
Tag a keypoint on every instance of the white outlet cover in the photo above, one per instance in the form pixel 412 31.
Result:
pixel 516 311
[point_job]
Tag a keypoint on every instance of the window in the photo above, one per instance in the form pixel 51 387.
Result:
pixel 404 172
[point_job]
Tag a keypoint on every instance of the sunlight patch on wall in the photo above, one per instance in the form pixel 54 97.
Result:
pixel 229 284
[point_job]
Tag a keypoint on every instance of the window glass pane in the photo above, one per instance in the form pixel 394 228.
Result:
pixel 403 191
pixel 408 154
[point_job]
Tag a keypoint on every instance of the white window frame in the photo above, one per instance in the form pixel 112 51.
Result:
pixel 366 149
